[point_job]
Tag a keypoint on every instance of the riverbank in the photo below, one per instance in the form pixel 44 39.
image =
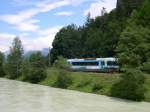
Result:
pixel 97 83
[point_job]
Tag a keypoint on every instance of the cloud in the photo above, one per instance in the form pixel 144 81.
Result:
pixel 5 40
pixel 64 13
pixel 6 37
pixel 96 7
pixel 44 39
pixel 22 2
pixel 24 21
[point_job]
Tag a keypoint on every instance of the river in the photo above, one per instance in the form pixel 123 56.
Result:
pixel 18 96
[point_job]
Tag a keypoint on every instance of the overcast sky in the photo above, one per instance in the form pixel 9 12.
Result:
pixel 37 21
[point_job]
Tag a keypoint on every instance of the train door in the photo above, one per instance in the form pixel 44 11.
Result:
pixel 102 64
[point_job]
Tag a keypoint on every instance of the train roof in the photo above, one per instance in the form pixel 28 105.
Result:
pixel 94 59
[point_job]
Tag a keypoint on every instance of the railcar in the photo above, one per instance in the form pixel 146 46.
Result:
pixel 94 65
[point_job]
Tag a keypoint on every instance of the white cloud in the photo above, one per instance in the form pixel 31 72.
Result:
pixel 6 37
pixel 24 21
pixel 64 13
pixel 5 40
pixel 44 39
pixel 51 30
pixel 96 7
pixel 22 2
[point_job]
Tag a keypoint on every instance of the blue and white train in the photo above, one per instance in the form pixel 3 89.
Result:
pixel 94 65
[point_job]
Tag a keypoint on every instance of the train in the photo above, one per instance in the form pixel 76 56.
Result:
pixel 94 64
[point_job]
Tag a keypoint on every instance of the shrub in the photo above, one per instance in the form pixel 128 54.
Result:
pixel 96 86
pixel 130 86
pixel 61 63
pixel 35 75
pixel 83 83
pixel 33 69
pixel 63 79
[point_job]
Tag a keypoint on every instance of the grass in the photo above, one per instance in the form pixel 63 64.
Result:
pixel 84 81
pixel 98 83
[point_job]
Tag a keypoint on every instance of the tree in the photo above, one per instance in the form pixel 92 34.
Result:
pixel 134 43
pixel 2 73
pixel 143 15
pixel 131 86
pixel 66 43
pixel 14 59
pixel 63 78
pixel 134 46
pixel 33 69
pixel 99 37
pixel 125 7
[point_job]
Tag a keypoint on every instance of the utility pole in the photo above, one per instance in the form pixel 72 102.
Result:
pixel 49 58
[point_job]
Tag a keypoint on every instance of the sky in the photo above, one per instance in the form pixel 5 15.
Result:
pixel 36 22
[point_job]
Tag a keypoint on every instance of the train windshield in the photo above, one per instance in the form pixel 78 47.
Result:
pixel 85 63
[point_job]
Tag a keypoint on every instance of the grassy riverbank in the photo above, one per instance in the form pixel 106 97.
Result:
pixel 86 82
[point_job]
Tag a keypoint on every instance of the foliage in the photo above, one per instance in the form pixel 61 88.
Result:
pixel 143 15
pixel 125 7
pixel 97 37
pixel 130 86
pixel 83 83
pixel 63 79
pixel 96 86
pixel 61 63
pixel 14 59
pixel 134 46
pixel 65 42
pixel 2 73
pixel 34 68
pixel 146 67
pixel 104 80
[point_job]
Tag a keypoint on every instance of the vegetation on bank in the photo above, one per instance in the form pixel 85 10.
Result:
pixel 97 83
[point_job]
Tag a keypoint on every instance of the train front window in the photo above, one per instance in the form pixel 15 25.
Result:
pixel 85 63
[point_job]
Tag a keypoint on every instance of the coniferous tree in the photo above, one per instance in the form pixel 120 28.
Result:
pixel 14 59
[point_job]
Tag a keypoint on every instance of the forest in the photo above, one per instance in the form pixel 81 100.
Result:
pixel 123 33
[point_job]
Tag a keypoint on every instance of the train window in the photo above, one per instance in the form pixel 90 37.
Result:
pixel 102 63
pixel 112 63
pixel 85 63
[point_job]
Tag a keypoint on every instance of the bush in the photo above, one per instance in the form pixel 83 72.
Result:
pixel 33 69
pixel 83 83
pixel 96 86
pixel 35 75
pixel 61 63
pixel 130 86
pixel 63 79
